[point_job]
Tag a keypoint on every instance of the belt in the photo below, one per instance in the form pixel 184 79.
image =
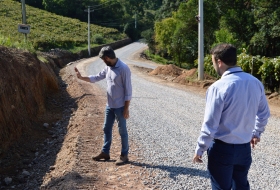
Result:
pixel 222 142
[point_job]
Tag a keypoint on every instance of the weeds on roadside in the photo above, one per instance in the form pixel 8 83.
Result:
pixel 8 42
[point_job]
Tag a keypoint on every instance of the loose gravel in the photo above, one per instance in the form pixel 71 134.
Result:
pixel 165 123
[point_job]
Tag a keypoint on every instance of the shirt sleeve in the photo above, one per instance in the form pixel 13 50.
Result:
pixel 101 75
pixel 213 110
pixel 127 84
pixel 262 116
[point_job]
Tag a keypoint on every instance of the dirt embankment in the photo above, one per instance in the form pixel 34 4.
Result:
pixel 32 104
pixel 25 84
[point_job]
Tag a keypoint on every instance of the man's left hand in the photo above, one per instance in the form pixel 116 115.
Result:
pixel 126 113
pixel 197 159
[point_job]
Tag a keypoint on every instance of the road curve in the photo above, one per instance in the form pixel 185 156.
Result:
pixel 165 123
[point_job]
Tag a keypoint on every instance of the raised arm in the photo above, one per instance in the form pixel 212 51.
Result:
pixel 79 76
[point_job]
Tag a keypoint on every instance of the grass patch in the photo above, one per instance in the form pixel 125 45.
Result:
pixel 49 30
pixel 156 58
pixel 41 58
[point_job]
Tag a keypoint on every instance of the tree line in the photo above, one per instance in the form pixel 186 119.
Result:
pixel 130 17
pixel 169 26
pixel 253 25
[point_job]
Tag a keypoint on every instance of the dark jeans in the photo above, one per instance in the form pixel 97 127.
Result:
pixel 110 115
pixel 228 165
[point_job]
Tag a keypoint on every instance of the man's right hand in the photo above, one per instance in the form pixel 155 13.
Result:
pixel 255 141
pixel 79 76
pixel 77 73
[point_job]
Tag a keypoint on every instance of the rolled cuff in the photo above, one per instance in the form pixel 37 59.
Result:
pixel 256 134
pixel 199 151
pixel 92 78
pixel 127 98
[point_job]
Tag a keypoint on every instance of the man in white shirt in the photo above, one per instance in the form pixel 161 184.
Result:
pixel 119 93
pixel 236 114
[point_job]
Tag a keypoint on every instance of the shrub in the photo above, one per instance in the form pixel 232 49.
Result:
pixel 98 39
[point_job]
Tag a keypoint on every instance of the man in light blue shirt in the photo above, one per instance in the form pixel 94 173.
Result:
pixel 236 114
pixel 119 93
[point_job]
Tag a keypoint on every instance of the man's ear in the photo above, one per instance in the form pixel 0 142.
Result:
pixel 220 63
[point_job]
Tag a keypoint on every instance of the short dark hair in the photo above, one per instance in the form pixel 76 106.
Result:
pixel 226 53
pixel 108 52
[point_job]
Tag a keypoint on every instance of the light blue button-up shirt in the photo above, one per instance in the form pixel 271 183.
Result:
pixel 119 87
pixel 236 110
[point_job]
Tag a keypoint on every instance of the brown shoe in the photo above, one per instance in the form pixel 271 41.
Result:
pixel 122 160
pixel 102 155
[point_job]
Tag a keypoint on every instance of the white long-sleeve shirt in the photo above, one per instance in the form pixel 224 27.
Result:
pixel 119 87
pixel 236 110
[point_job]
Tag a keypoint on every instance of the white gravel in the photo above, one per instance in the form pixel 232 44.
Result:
pixel 165 123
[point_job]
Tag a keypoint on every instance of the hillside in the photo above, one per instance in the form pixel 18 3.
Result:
pixel 49 30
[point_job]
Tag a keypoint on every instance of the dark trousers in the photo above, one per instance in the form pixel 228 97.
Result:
pixel 228 165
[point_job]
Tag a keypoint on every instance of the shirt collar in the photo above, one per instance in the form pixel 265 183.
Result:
pixel 232 69
pixel 118 63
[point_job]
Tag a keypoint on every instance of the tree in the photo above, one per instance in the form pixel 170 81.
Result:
pixel 185 37
pixel 147 23
pixel 167 8
pixel 181 47
pixel 266 40
pixel 164 31
pixel 236 22
pixel 73 8
pixel 35 3
pixel 175 34
pixel 224 36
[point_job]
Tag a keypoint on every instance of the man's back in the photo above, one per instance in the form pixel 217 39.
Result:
pixel 235 116
pixel 239 99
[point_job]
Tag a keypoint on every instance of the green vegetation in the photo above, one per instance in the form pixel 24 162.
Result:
pixel 49 30
pixel 10 42
pixel 249 24
pixel 170 29
pixel 265 69
pixel 252 26
pixel 155 58
pixel 43 59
